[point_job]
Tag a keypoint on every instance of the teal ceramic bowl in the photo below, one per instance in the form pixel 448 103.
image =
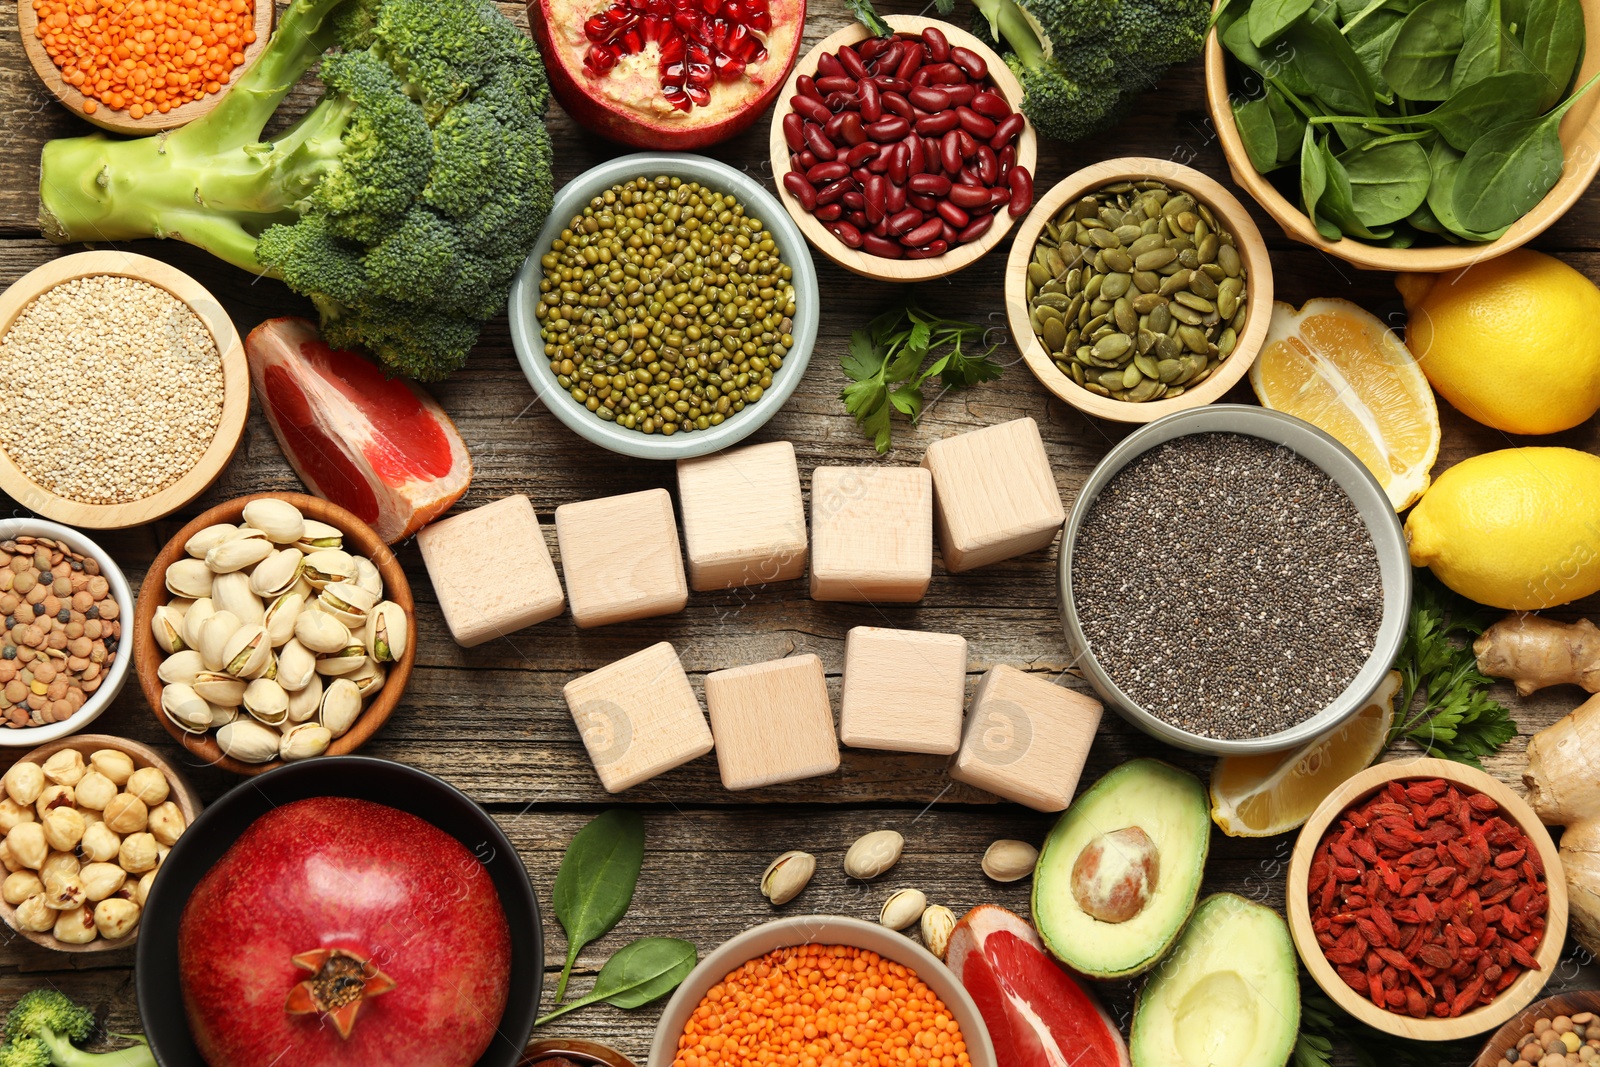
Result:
pixel 758 202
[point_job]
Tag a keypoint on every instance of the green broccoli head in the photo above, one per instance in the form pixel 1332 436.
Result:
pixel 28 1052
pixel 47 1010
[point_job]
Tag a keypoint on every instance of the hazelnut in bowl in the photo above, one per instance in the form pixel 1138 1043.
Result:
pixel 273 628
pixel 903 158
pixel 88 821
pixel 62 659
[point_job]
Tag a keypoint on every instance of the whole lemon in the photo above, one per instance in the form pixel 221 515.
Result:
pixel 1509 342
pixel 1517 529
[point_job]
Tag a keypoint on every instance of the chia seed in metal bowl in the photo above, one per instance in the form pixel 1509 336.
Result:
pixel 1233 580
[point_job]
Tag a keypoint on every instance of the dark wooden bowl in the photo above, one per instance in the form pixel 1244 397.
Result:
pixel 585 1053
pixel 1494 1049
pixel 182 794
pixel 360 539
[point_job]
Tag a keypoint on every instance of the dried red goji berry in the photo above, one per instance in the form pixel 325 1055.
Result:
pixel 1509 858
pixel 1483 802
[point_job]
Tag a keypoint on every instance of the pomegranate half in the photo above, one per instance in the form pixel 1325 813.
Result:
pixel 667 74
pixel 342 933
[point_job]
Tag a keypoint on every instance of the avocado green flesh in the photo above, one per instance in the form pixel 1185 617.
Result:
pixel 1170 806
pixel 1228 994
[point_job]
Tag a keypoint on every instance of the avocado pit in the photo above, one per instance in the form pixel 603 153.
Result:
pixel 1116 874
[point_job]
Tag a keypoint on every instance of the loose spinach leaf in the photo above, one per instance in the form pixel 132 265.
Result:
pixel 1510 169
pixel 1473 111
pixel 1259 133
pixel 1553 41
pixel 1388 181
pixel 1420 61
pixel 1444 162
pixel 1289 124
pixel 1314 183
pixel 1326 62
pixel 1269 18
pixel 595 883
pixel 640 972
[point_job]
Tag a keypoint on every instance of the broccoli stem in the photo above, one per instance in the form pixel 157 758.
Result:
pixel 1009 24
pixel 64 1053
pixel 211 183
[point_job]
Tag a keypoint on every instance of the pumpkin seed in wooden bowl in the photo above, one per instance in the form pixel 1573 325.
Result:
pixel 1137 288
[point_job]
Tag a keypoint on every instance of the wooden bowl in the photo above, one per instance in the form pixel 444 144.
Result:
pixel 1517 995
pixel 584 1053
pixel 1580 137
pixel 182 793
pixel 863 263
pixel 360 539
pixel 235 390
pixel 1494 1050
pixel 119 121
pixel 1252 250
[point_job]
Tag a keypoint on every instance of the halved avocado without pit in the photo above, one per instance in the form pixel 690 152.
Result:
pixel 1228 994
pixel 1120 872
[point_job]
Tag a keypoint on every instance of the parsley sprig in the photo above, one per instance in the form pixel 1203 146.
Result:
pixel 885 365
pixel 1445 707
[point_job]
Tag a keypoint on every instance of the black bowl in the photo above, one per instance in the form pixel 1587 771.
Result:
pixel 365 778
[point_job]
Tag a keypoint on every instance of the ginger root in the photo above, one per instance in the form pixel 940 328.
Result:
pixel 1563 781
pixel 1536 652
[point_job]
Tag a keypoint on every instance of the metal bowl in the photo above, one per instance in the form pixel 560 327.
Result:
pixel 760 204
pixel 1348 473
pixel 820 930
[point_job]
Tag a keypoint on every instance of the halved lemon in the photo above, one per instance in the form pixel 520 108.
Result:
pixel 1341 369
pixel 1258 796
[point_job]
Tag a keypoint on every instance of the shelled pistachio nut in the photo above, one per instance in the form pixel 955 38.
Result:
pixel 873 854
pixel 305 701
pixel 903 908
pixel 209 538
pixel 221 716
pixel 167 626
pixel 266 701
pixel 189 578
pixel 341 706
pixel 328 566
pixel 316 536
pixel 281 615
pixel 319 631
pixel 787 875
pixel 223 690
pixel 277 573
pixel 347 602
pixel 278 519
pixel 232 592
pixel 248 741
pixel 1010 861
pixel 938 923
pixel 304 741
pixel 186 707
pixel 387 633
pixel 182 666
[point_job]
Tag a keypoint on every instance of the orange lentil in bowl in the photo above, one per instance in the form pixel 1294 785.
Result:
pixel 822 1006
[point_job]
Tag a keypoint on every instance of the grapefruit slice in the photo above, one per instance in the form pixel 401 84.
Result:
pixel 1037 1015
pixel 379 446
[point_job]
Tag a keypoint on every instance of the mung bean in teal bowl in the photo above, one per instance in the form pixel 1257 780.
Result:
pixel 1233 580
pixel 662 352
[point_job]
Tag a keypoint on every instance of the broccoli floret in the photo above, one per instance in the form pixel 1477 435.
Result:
pixel 44 1029
pixel 1081 61
pixel 402 204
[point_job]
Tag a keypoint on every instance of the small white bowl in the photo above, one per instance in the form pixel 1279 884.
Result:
pixel 100 699
pixel 792 247
pixel 820 930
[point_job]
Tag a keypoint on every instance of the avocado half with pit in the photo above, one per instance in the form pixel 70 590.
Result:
pixel 1228 994
pixel 1120 872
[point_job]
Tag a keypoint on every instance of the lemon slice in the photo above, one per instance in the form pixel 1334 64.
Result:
pixel 1341 369
pixel 1258 796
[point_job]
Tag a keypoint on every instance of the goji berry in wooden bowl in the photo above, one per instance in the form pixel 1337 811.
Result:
pixel 1427 900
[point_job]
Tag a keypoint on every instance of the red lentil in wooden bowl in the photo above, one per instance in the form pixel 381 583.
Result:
pixel 1431 885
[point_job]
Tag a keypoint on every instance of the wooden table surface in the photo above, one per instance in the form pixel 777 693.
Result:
pixel 491 719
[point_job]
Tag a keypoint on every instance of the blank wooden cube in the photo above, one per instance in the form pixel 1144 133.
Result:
pixel 620 557
pixel 1026 739
pixel 491 570
pixel 871 533
pixel 772 722
pixel 744 522
pixel 903 690
pixel 638 717
pixel 994 495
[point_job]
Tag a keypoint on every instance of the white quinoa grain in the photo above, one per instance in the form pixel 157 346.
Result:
pixel 110 389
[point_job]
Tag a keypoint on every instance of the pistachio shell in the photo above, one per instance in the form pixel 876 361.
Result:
pixel 186 707
pixel 341 706
pixel 874 853
pixel 248 741
pixel 197 616
pixel 347 660
pixel 903 908
pixel 277 573
pixel 215 687
pixel 221 716
pixel 1010 861
pixel 787 875
pixel 368 578
pixel 237 554
pixel 215 633
pixel 280 520
pixel 209 538
pixel 329 565
pixel 189 578
pixel 304 741
pixel 181 667
pixel 321 632
pixel 247 651
pixel 281 615
pixel 938 923
pixel 369 678
pixel 347 602
pixel 231 592
pixel 316 536
pixel 304 702
pixel 297 666
pixel 387 633
pixel 167 625
pixel 266 701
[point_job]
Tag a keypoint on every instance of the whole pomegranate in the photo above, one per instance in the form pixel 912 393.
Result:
pixel 343 933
